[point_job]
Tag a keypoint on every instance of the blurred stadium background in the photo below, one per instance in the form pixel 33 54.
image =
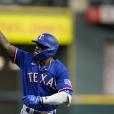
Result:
pixel 85 30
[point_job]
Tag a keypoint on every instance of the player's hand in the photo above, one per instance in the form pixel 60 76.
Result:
pixel 32 101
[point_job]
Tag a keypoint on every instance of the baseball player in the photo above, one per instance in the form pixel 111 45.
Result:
pixel 46 81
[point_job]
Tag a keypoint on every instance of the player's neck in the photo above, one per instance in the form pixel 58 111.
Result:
pixel 47 61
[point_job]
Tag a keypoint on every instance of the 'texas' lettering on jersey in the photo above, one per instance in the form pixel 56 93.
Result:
pixel 41 78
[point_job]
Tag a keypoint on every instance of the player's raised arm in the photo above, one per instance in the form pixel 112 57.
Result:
pixel 4 43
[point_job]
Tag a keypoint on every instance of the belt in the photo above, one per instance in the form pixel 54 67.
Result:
pixel 32 111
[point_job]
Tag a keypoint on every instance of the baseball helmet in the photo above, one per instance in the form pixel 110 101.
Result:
pixel 49 42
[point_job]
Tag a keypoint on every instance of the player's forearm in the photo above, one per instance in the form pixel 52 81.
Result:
pixel 58 98
pixel 4 43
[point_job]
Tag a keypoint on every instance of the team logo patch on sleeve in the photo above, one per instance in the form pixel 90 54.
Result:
pixel 67 82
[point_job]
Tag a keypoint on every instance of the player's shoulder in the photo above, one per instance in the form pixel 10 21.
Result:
pixel 27 54
pixel 59 63
pixel 59 69
pixel 60 66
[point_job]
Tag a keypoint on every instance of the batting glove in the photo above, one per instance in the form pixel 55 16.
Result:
pixel 32 101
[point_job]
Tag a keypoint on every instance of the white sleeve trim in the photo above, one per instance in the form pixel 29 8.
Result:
pixel 57 99
pixel 15 55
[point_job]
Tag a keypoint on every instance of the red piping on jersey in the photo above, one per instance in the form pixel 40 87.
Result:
pixel 64 89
